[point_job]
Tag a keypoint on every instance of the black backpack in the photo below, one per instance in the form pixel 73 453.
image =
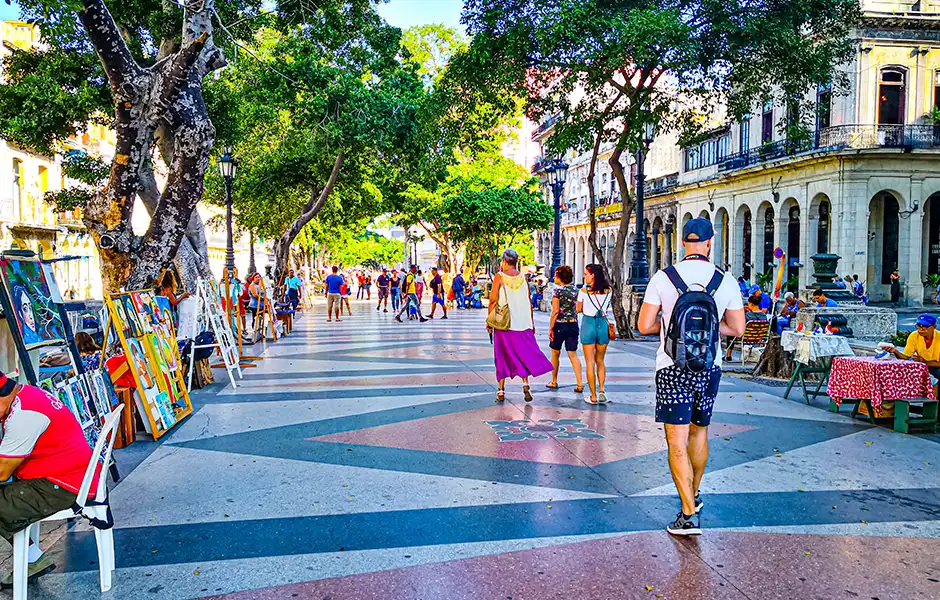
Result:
pixel 692 336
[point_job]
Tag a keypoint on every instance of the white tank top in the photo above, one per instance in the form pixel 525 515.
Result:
pixel 515 293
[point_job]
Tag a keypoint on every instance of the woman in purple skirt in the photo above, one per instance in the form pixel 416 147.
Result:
pixel 516 352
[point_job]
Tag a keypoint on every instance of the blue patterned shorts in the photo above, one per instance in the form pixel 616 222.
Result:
pixel 684 397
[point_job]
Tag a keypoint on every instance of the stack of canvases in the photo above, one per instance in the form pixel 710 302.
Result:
pixel 144 326
pixel 89 396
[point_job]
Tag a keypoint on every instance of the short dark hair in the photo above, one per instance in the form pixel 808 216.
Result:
pixel 600 282
pixel 818 292
pixel 565 274
pixel 754 299
pixel 335 269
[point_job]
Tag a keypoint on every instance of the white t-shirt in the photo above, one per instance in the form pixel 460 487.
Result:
pixel 696 274
pixel 593 304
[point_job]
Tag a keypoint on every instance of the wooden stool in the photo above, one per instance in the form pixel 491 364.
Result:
pixel 928 411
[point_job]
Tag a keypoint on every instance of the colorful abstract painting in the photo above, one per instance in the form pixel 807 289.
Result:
pixel 36 314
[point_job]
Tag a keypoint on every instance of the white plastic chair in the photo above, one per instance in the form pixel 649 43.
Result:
pixel 96 510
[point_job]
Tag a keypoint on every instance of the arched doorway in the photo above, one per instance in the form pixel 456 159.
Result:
pixel 765 234
pixel 883 243
pixel 743 239
pixel 820 225
pixel 720 247
pixel 611 242
pixel 793 246
pixel 657 246
pixel 579 272
pixel 681 249
pixel 602 246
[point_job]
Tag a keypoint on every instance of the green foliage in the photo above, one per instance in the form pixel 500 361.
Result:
pixel 353 245
pixel 316 92
pixel 765 280
pixel 490 219
pixel 932 280
pixel 900 338
pixel 431 47
pixel 68 198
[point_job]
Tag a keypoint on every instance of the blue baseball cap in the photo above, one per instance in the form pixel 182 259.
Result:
pixel 700 227
pixel 926 320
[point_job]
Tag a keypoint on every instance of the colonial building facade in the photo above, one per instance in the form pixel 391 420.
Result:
pixel 865 184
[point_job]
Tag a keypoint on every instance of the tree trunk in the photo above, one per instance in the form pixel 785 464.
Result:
pixel 310 210
pixel 775 361
pixel 167 93
pixel 623 317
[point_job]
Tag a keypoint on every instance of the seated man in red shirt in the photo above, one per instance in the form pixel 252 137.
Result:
pixel 45 451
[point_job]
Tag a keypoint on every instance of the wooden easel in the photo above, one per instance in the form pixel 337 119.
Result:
pixel 163 383
pixel 232 310
pixel 267 309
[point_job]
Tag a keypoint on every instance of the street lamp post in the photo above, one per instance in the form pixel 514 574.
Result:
pixel 554 175
pixel 227 166
pixel 639 266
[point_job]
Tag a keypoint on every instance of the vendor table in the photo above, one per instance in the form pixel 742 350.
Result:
pixel 808 349
pixel 875 381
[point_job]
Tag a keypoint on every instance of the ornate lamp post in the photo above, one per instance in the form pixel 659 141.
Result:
pixel 639 266
pixel 556 173
pixel 227 166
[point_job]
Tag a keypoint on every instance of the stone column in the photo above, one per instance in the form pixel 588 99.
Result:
pixel 654 251
pixel 909 248
pixel 667 246
pixel 718 246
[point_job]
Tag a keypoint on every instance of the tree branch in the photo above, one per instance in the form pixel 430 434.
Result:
pixel 110 47
pixel 174 74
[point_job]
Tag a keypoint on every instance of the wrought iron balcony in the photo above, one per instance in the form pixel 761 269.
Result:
pixel 661 185
pixel 545 126
pixel 838 137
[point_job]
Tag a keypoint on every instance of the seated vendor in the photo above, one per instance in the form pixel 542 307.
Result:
pixel 819 297
pixel 922 345
pixel 45 451
pixel 753 310
pixel 791 305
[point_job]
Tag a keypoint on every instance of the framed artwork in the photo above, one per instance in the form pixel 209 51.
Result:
pixel 133 318
pixel 139 362
pixel 32 299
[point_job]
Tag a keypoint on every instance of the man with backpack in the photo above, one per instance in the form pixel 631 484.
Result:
pixel 698 303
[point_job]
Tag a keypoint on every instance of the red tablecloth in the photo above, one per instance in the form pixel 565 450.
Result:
pixel 878 380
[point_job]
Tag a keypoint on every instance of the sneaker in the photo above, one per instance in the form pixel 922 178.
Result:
pixel 398 318
pixel 602 398
pixel 698 503
pixel 36 570
pixel 683 525
pixel 386 310
pixel 423 320
pixel 444 317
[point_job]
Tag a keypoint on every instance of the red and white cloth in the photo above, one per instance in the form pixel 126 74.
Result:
pixel 878 380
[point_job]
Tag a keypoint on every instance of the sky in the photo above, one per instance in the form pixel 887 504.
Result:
pixel 400 13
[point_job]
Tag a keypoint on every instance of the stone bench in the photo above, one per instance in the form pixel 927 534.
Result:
pixel 867 323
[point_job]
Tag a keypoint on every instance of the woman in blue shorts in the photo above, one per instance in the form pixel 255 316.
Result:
pixel 593 304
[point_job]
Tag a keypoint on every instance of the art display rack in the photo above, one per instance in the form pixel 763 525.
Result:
pixel 148 340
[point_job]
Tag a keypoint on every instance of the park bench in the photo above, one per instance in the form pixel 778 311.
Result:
pixel 928 414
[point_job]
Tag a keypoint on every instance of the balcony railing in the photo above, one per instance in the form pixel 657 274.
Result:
pixel 545 126
pixel 661 185
pixel 839 137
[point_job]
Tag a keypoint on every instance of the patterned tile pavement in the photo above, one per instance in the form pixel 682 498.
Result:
pixel 367 459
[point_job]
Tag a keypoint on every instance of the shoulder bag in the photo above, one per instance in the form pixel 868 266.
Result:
pixel 499 318
pixel 611 330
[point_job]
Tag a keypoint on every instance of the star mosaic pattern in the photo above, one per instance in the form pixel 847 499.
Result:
pixel 368 459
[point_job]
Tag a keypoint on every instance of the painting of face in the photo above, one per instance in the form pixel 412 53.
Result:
pixel 36 313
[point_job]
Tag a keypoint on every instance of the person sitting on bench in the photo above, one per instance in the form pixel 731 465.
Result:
pixel 46 453
pixel 922 345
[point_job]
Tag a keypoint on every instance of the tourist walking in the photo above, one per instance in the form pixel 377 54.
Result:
pixel 293 289
pixel 382 282
pixel 411 295
pixel 515 350
pixel 688 370
pixel 594 302
pixel 368 286
pixel 345 293
pixel 458 287
pixel 333 287
pixel 419 285
pixel 394 287
pixel 437 291
pixel 563 326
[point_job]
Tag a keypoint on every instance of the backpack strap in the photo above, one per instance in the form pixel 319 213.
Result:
pixel 673 276
pixel 715 282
